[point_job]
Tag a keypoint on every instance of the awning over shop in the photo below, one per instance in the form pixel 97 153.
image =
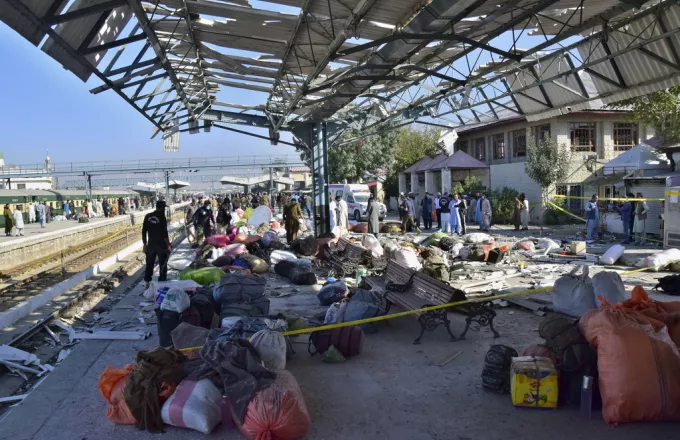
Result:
pixel 457 161
pixel 460 160
pixel 641 157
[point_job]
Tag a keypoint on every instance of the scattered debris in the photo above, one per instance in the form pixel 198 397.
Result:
pixel 112 335
pixel 446 358
pixel 13 398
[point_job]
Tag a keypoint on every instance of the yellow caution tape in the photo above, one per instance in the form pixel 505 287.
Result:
pixel 672 193
pixel 565 211
pixel 618 199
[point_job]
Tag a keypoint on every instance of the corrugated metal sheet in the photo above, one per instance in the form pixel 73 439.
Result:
pixel 23 26
pixel 76 31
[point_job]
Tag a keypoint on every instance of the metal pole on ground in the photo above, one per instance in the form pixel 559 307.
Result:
pixel 167 195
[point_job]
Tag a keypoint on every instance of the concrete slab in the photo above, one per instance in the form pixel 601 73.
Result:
pixel 392 391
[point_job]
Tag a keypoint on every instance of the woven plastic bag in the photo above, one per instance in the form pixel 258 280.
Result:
pixel 271 344
pixel 638 363
pixel 573 294
pixel 277 412
pixel 194 405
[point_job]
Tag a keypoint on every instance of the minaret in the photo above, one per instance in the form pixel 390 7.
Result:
pixel 48 161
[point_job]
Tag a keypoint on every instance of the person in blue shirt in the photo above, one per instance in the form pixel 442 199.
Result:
pixel 479 218
pixel 455 214
pixel 625 211
pixel 67 214
pixel 592 218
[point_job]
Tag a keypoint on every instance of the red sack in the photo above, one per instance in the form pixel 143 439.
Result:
pixel 361 228
pixel 277 412
pixel 638 362
pixel 348 340
pixel 218 240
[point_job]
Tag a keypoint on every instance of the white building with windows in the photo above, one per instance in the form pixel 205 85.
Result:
pixel 594 136
pixel 42 182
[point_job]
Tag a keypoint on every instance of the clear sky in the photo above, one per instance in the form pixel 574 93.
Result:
pixel 44 106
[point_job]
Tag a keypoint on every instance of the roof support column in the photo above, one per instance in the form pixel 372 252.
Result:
pixel 446 180
pixel 402 184
pixel 315 137
pixel 414 182
pixel 429 182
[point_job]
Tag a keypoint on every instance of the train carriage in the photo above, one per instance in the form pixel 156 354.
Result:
pixel 55 198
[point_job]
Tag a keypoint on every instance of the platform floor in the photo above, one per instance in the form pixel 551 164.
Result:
pixel 34 229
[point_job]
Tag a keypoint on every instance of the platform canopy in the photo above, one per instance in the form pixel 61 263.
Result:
pixel 357 63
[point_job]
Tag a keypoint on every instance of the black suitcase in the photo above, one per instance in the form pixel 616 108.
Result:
pixel 495 256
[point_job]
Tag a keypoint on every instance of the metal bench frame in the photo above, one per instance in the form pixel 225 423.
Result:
pixel 417 288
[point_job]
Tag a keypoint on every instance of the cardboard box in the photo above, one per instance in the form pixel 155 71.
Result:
pixel 533 382
pixel 577 248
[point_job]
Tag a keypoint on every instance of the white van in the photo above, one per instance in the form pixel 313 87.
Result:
pixel 356 195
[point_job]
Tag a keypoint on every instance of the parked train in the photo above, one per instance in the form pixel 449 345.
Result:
pixel 54 198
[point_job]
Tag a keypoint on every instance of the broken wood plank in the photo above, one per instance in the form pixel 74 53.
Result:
pixel 13 398
pixel 113 335
pixel 15 366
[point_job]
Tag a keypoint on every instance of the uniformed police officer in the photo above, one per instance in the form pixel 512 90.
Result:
pixel 156 242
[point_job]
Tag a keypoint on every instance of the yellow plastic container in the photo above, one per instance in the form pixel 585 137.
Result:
pixel 533 382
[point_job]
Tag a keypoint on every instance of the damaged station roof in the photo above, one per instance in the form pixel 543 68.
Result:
pixel 360 63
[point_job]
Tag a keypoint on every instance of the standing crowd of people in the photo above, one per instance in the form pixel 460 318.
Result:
pixel 454 210
pixel 44 212
pixel 214 215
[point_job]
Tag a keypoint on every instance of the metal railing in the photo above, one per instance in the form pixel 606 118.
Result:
pixel 147 165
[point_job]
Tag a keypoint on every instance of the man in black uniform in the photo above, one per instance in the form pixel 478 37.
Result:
pixel 158 243
pixel 203 219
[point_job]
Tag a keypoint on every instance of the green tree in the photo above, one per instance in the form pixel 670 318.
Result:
pixel 659 110
pixel 412 144
pixel 352 161
pixel 547 164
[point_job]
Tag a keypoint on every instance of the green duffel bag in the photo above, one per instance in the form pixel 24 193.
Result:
pixel 433 240
pixel 203 276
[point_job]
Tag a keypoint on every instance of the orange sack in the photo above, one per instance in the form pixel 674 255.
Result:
pixel 638 362
pixel 277 412
pixel 112 386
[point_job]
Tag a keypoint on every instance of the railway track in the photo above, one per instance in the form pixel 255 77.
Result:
pixel 31 279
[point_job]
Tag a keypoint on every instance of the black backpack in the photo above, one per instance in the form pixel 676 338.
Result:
pixel 496 372
pixel 669 284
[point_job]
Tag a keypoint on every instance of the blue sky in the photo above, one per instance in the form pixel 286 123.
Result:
pixel 45 106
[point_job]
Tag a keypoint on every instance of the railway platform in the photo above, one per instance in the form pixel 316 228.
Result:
pixel 37 242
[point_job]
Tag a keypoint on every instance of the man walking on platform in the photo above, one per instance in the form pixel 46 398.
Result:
pixel 189 222
pixel 18 222
pixel 203 220
pixel 156 243
pixel 41 210
pixel 292 213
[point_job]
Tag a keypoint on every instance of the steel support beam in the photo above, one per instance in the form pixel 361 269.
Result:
pixel 357 13
pixel 259 136
pixel 595 21
pixel 143 20
pixel 83 12
pixel 439 36
pixel 112 44
pixel 47 29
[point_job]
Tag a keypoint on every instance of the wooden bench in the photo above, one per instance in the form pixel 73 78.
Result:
pixel 413 290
